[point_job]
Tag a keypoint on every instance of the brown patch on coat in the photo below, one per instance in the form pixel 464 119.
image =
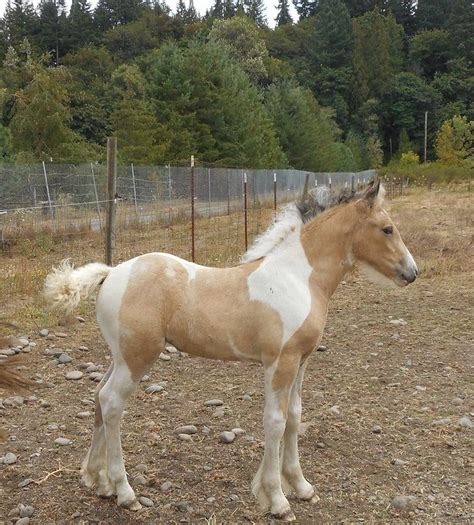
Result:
pixel 209 316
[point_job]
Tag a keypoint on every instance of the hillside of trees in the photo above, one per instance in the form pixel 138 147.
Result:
pixel 344 87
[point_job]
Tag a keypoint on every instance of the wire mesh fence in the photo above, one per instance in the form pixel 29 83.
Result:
pixel 54 211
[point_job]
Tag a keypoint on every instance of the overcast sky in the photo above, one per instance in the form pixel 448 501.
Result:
pixel 200 5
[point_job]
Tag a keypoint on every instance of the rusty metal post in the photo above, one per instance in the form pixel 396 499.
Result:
pixel 192 210
pixel 245 211
pixel 111 199
pixel 275 192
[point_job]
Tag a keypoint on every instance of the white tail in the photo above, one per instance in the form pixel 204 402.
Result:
pixel 66 286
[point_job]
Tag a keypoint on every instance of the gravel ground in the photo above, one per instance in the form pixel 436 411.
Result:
pixel 385 434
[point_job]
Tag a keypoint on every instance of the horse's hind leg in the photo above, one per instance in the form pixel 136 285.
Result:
pixel 113 397
pixel 94 467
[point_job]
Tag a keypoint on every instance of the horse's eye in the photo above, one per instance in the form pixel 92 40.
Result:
pixel 388 230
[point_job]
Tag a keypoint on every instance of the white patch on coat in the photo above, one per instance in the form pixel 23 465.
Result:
pixel 287 221
pixel 190 267
pixel 282 282
pixel 169 272
pixel 109 301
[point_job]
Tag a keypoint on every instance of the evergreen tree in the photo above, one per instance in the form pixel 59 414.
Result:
pixel 404 13
pixel 52 28
pixel 283 16
pixel 191 14
pixel 20 21
pixel 110 13
pixel 255 9
pixel 431 14
pixel 404 144
pixel 460 25
pixel 80 25
pixel 181 10
pixel 217 10
pixel 229 9
pixel 305 8
pixel 359 7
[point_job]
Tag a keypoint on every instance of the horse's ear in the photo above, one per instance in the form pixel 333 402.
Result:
pixel 374 194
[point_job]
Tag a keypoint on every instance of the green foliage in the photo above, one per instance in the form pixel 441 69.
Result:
pixel 306 132
pixel 283 16
pixel 241 39
pixel 429 52
pixel 409 158
pixel 210 108
pixel 404 144
pixel 455 142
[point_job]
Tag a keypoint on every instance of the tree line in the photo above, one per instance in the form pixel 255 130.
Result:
pixel 344 87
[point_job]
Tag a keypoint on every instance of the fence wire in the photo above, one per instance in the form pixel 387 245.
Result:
pixel 57 210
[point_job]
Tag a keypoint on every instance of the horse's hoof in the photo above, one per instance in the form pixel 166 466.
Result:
pixel 287 515
pixel 133 505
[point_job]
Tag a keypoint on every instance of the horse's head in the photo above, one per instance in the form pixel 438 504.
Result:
pixel 377 244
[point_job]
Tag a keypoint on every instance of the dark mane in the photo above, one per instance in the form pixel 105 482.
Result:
pixel 321 199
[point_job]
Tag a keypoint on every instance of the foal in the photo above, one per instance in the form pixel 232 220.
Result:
pixel 271 309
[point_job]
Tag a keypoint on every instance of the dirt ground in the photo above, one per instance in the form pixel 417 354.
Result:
pixel 381 407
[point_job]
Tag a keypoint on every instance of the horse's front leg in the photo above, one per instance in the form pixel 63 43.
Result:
pixel 266 485
pixel 292 475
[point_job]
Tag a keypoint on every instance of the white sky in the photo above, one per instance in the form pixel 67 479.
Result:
pixel 200 5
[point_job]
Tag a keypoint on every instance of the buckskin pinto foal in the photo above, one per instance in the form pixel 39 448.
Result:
pixel 272 308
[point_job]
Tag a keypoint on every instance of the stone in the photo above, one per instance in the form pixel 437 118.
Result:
pixel 183 506
pixel 14 401
pixel 212 499
pixel 80 319
pixel 377 429
pixel 25 511
pixel 403 502
pixel 8 352
pixel 246 397
pixel 96 376
pixel 186 429
pixel 83 348
pixel 227 437
pixel 238 431
pixel 92 368
pixel 465 422
pixel 62 442
pixel 334 410
pixel 457 401
pixel 164 357
pixel 25 483
pixel 23 521
pixel 398 322
pixel 43 332
pixel 443 421
pixel 144 378
pixel 214 403
pixel 9 458
pixel 234 497
pixel 83 415
pixel 399 462
pixel 321 348
pixel 60 334
pixel 166 486
pixel 171 349
pixel 141 467
pixel 139 480
pixel 64 359
pixel 420 388
pixel 185 437
pixel 153 388
pixel 74 375
pixel 146 502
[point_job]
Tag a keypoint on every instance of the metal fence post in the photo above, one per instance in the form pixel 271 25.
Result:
pixel 48 194
pixel 209 189
pixel 169 194
pixel 96 196
pixel 228 193
pixel 330 184
pixel 352 182
pixel 275 192
pixel 245 211
pixel 111 199
pixel 134 190
pixel 192 209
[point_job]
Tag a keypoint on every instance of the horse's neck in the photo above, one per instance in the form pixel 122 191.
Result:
pixel 327 242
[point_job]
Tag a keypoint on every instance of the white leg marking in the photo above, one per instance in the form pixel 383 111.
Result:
pixel 291 468
pixel 94 465
pixel 266 485
pixel 112 399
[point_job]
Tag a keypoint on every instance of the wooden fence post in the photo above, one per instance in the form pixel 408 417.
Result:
pixel 245 212
pixel 111 199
